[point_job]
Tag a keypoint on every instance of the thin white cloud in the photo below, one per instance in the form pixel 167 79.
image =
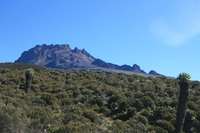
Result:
pixel 178 29
pixel 158 26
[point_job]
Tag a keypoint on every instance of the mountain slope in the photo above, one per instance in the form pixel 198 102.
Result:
pixel 90 102
pixel 56 56
pixel 63 57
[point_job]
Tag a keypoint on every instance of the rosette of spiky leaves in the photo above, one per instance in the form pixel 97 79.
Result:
pixel 29 72
pixel 190 114
pixel 184 77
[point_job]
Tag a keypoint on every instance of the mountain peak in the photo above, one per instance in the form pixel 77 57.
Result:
pixel 63 57
pixel 76 50
pixel 136 68
pixel 154 73
pixel 56 56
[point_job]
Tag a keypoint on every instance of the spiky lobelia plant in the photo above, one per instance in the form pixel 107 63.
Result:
pixel 183 99
pixel 189 119
pixel 29 76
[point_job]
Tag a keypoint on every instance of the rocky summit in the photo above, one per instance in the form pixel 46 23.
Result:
pixel 63 57
pixel 56 56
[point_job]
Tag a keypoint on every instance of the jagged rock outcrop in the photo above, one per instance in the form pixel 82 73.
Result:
pixel 63 57
pixel 134 68
pixel 154 73
pixel 101 63
pixel 56 56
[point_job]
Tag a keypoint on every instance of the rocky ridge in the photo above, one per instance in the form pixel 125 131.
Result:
pixel 63 57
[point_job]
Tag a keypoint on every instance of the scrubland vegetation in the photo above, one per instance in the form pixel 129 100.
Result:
pixel 89 102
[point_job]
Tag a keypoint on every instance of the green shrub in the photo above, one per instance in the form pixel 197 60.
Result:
pixel 157 129
pixel 105 111
pixel 141 119
pixel 166 125
pixel 90 114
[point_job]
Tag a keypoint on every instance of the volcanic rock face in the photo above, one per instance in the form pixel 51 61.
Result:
pixel 56 56
pixel 154 73
pixel 102 63
pixel 63 57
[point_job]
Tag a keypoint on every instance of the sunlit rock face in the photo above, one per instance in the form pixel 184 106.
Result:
pixel 56 56
pixel 63 57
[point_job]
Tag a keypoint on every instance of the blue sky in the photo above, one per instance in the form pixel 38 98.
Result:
pixel 159 35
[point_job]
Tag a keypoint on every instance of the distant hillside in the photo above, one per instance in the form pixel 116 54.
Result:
pixel 21 65
pixel 63 57
pixel 86 69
